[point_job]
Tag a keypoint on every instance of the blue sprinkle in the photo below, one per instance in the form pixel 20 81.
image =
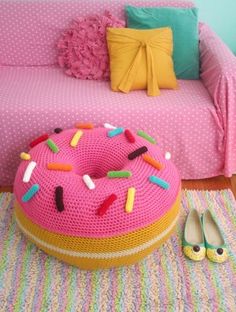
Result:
pixel 115 132
pixel 160 182
pixel 30 193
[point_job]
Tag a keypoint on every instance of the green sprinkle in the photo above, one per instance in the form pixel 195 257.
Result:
pixel 119 174
pixel 52 146
pixel 146 136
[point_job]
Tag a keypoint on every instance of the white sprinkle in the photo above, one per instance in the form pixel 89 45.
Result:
pixel 108 126
pixel 29 171
pixel 167 155
pixel 89 182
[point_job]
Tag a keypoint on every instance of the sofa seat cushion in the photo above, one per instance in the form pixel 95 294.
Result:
pixel 35 100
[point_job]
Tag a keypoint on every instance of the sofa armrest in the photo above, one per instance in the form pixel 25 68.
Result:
pixel 218 73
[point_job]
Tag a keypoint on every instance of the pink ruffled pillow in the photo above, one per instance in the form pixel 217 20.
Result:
pixel 83 48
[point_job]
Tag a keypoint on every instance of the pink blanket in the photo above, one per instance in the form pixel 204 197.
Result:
pixel 219 76
pixel 35 100
pixel 196 123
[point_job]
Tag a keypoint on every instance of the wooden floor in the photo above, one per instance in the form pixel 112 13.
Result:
pixel 217 183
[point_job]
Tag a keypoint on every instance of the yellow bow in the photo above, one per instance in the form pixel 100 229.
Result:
pixel 129 77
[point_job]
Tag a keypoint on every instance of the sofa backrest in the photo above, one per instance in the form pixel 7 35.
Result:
pixel 29 29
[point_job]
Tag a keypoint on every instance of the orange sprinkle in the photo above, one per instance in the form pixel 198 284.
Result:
pixel 84 125
pixel 151 161
pixel 58 166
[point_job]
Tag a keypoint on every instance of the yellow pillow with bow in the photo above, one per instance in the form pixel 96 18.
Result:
pixel 141 59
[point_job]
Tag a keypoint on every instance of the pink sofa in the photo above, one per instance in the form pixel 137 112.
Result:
pixel 196 123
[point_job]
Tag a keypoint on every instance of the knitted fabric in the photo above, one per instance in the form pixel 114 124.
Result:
pixel 91 253
pixel 196 256
pixel 166 280
pixel 57 198
pixel 215 257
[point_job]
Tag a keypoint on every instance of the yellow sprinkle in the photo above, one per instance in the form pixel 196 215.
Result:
pixel 25 156
pixel 130 200
pixel 76 138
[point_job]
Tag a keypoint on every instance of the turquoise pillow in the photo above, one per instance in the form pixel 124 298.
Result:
pixel 184 24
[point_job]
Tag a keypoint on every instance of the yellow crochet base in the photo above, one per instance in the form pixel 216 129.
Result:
pixel 99 253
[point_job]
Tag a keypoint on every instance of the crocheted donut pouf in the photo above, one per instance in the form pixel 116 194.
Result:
pixel 96 197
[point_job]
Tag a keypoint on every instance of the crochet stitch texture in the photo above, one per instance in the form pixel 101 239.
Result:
pixel 62 217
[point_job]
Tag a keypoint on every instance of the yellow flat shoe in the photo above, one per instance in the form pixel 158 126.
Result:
pixel 214 242
pixel 193 240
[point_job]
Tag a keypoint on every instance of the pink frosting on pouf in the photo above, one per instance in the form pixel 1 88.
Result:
pixel 83 48
pixel 95 155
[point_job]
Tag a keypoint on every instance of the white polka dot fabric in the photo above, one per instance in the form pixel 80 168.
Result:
pixel 30 29
pixel 200 134
pixel 219 76
pixel 36 100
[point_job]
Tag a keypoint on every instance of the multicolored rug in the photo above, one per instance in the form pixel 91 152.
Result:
pixel 165 281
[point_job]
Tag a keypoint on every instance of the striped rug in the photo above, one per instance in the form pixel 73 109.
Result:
pixel 165 281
